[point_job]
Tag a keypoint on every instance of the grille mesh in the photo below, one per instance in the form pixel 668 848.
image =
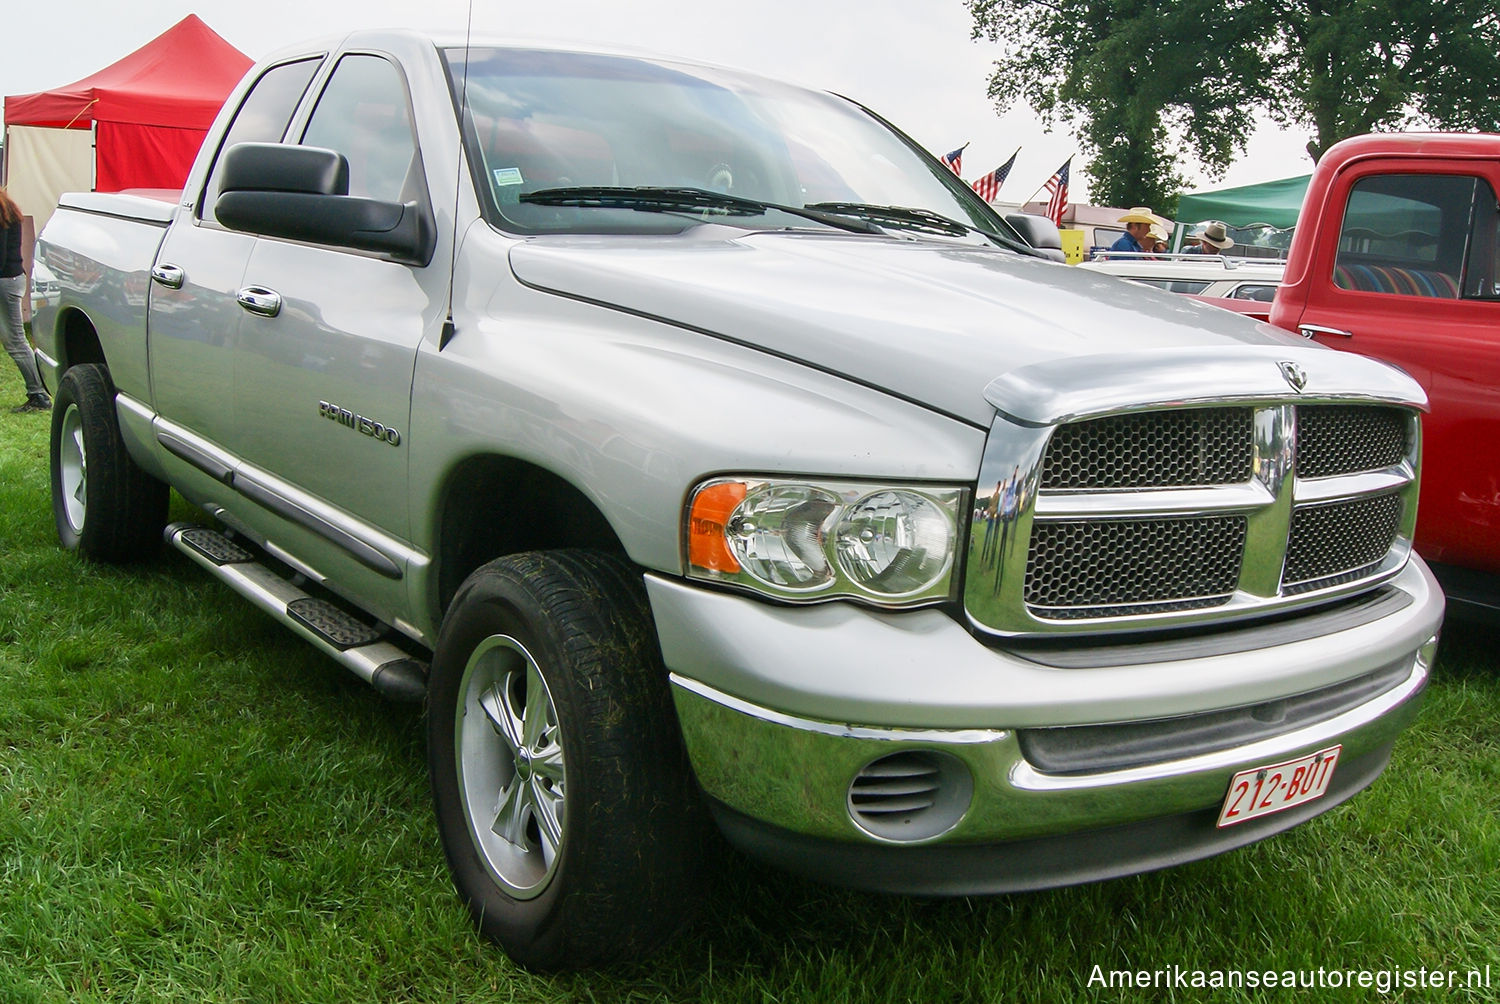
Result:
pixel 1197 446
pixel 1348 438
pixel 1343 539
pixel 1088 566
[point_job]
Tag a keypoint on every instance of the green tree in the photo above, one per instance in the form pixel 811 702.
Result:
pixel 1131 77
pixel 1338 68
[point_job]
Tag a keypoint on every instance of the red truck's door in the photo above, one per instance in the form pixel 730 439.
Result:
pixel 1412 279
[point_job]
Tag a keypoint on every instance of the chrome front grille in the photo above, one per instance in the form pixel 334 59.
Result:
pixel 1335 439
pixel 1079 567
pixel 1339 540
pixel 1177 515
pixel 1154 449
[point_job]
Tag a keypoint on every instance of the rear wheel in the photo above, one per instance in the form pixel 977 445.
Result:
pixel 565 803
pixel 105 507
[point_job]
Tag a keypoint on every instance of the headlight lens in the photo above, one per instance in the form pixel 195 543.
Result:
pixel 801 540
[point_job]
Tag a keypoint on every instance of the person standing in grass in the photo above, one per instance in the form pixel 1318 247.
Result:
pixel 12 288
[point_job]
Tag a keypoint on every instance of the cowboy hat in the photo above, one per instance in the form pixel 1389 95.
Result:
pixel 1158 233
pixel 1140 214
pixel 1217 234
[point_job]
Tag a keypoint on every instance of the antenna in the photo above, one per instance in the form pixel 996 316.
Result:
pixel 458 169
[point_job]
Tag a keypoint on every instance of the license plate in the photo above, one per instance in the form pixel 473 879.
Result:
pixel 1261 791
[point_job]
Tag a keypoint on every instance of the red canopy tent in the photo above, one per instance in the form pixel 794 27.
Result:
pixel 149 111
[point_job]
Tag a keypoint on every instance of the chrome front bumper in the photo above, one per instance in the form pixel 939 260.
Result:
pixel 777 759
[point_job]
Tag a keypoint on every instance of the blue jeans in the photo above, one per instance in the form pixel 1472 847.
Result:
pixel 11 291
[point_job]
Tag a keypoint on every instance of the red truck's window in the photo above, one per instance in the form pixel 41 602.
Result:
pixel 1410 234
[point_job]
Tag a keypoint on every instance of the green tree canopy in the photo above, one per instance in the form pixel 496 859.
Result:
pixel 1131 76
pixel 1339 68
pixel 1145 81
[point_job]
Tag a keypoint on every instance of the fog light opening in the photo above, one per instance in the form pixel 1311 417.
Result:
pixel 910 796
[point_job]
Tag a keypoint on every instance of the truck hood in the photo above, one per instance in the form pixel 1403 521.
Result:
pixel 932 322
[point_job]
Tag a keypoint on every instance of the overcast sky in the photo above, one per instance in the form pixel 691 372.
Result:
pixel 910 60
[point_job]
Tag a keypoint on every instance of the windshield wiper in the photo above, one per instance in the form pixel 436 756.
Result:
pixel 917 219
pixel 647 198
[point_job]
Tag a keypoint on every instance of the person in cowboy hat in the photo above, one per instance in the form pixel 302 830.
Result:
pixel 1156 239
pixel 1213 238
pixel 1137 228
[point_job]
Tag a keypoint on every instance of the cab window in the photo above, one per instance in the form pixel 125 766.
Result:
pixel 1416 235
pixel 363 114
pixel 262 117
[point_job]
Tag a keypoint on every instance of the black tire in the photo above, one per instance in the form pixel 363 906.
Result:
pixel 105 507
pixel 548 702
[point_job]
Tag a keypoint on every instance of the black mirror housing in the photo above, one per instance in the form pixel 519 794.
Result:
pixel 277 167
pixel 301 193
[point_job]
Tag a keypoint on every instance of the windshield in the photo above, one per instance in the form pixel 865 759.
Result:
pixel 542 121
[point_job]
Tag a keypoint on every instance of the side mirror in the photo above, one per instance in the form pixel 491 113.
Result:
pixel 300 193
pixel 1040 232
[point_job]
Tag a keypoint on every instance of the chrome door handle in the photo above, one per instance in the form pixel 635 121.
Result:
pixel 169 276
pixel 1308 330
pixel 260 300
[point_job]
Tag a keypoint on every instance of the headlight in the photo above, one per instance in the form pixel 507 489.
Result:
pixel 816 540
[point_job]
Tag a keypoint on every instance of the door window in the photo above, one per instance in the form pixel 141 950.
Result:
pixel 363 114
pixel 262 117
pixel 1417 235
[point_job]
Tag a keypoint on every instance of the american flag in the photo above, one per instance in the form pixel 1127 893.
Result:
pixel 1057 189
pixel 988 187
pixel 955 159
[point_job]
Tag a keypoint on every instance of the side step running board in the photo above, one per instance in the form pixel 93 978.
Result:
pixel 340 635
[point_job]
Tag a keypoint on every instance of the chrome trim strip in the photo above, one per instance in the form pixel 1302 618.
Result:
pixel 961 736
pixel 1343 486
pixel 1028 778
pixel 47 361
pixel 188 446
pixel 362 552
pixel 138 408
pixel 185 451
pixel 1076 504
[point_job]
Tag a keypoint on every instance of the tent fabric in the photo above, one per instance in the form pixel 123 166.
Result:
pixel 44 163
pixel 179 79
pixel 142 156
pixel 1276 203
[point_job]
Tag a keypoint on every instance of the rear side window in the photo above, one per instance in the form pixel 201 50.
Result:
pixel 262 117
pixel 1174 285
pixel 1260 292
pixel 363 114
pixel 1416 235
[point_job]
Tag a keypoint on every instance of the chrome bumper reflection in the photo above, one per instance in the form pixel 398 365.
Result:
pixel 795 772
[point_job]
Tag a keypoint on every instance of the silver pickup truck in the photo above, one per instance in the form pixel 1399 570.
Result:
pixel 698 448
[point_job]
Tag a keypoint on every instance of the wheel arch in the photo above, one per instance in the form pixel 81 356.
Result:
pixel 77 341
pixel 492 506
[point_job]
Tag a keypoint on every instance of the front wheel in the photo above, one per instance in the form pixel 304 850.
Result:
pixel 105 507
pixel 566 807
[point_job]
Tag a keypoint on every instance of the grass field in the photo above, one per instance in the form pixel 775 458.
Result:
pixel 196 807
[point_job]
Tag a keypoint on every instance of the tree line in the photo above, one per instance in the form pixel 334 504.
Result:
pixel 1146 83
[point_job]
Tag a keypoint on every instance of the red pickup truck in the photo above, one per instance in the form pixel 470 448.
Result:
pixel 1397 256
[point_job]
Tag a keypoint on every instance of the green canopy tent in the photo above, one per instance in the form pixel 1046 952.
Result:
pixel 1275 203
pixel 1260 217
